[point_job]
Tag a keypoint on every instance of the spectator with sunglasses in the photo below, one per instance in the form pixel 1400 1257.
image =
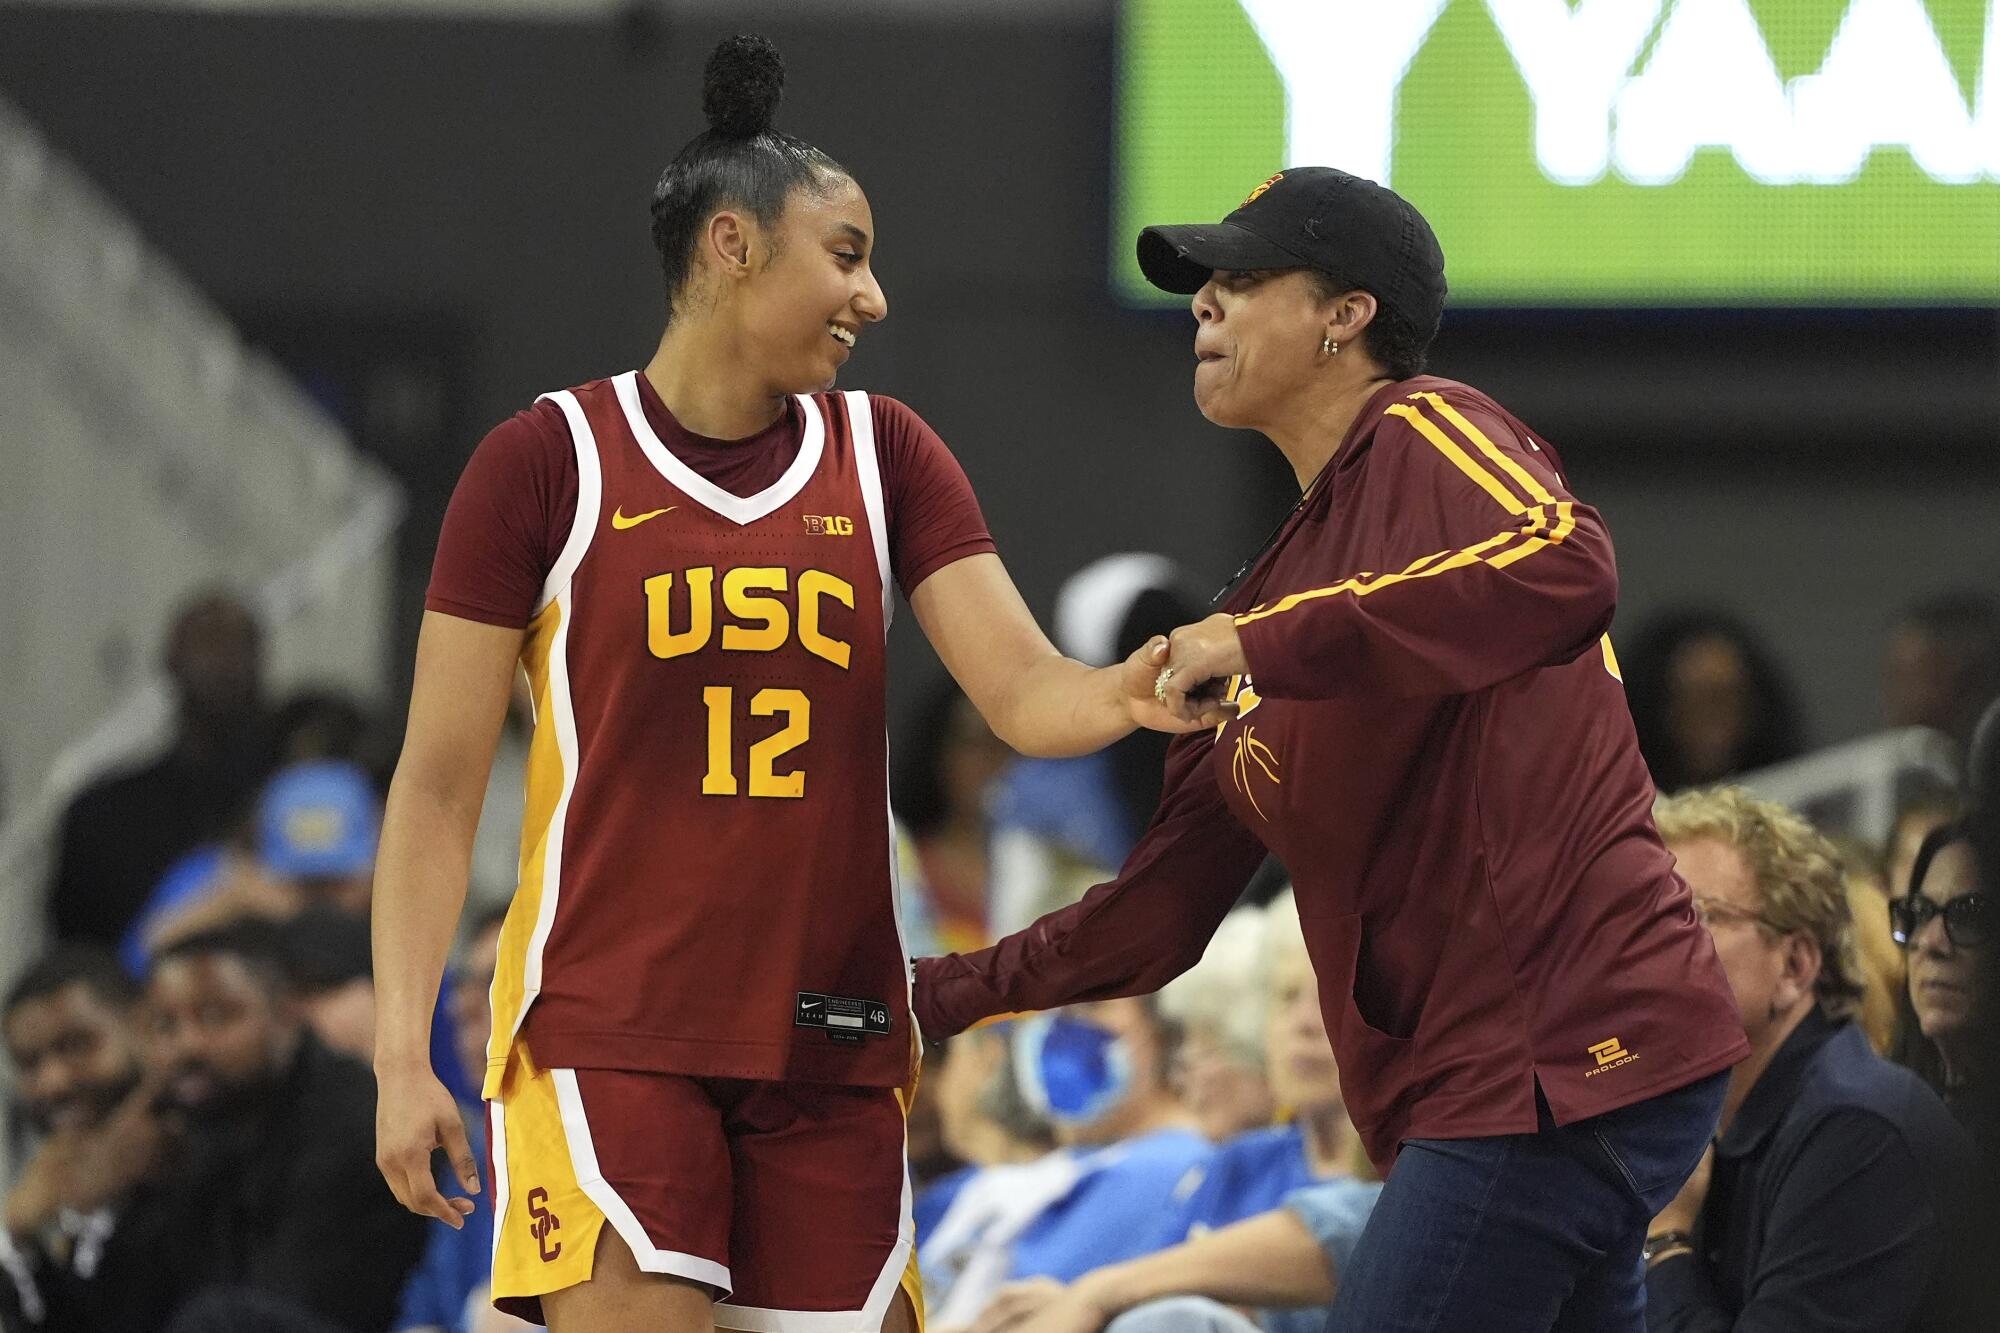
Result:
pixel 1945 922
pixel 1823 1202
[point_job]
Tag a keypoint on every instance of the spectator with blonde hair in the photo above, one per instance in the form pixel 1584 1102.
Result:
pixel 1221 1005
pixel 1257 1169
pixel 1821 1204
pixel 1268 1222
pixel 1884 970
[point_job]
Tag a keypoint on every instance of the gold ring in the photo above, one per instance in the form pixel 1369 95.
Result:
pixel 1160 683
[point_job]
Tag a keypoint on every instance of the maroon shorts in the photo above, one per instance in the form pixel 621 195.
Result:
pixel 790 1200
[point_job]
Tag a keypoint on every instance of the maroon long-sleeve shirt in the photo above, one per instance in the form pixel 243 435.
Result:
pixel 1434 739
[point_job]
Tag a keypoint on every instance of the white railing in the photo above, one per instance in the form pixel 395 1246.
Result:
pixel 145 452
pixel 1855 788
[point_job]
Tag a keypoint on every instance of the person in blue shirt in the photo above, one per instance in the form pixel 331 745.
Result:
pixel 1256 1171
pixel 1099 1073
pixel 1285 1264
pixel 983 1118
pixel 1222 1005
pixel 1267 1222
pixel 1133 1140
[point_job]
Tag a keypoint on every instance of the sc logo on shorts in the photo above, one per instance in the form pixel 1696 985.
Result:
pixel 542 1222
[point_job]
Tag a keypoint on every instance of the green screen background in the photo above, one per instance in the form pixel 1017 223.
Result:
pixel 1201 120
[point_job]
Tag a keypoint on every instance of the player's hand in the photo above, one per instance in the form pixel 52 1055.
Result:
pixel 1140 676
pixel 1201 658
pixel 1018 1303
pixel 414 1116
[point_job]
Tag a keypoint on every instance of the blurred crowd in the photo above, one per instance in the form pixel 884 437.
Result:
pixel 192 1107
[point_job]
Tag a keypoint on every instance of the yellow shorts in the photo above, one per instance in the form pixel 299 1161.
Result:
pixel 790 1200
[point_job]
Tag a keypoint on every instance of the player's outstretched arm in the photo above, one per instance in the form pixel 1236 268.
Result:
pixel 457 704
pixel 1129 936
pixel 1035 699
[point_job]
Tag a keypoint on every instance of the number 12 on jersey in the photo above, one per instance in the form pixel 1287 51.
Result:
pixel 765 780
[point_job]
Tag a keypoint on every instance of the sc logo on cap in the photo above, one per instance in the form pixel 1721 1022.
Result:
pixel 1258 193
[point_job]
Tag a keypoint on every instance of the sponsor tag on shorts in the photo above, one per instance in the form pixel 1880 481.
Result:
pixel 842 1016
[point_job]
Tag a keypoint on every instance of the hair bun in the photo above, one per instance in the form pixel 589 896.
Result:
pixel 741 86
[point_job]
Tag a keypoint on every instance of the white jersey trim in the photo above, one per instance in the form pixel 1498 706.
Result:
pixel 738 509
pixel 868 468
pixel 867 465
pixel 562 713
pixel 496 1143
pixel 589 498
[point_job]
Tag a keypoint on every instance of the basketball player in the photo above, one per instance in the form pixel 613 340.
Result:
pixel 702 1044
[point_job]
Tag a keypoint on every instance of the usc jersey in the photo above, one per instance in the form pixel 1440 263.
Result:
pixel 707 883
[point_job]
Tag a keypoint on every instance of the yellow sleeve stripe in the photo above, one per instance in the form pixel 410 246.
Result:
pixel 1447 446
pixel 1540 533
pixel 1361 585
pixel 1547 522
pixel 1522 477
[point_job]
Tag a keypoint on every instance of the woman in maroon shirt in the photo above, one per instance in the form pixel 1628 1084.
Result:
pixel 1429 731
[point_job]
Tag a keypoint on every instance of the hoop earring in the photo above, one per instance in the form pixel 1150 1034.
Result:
pixel 1329 346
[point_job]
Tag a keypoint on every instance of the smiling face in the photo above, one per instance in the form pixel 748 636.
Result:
pixel 1943 974
pixel 805 291
pixel 216 1031
pixel 1257 343
pixel 74 1056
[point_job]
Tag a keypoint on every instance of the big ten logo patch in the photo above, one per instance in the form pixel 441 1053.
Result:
pixel 543 1224
pixel 762 611
pixel 1609 1054
pixel 829 525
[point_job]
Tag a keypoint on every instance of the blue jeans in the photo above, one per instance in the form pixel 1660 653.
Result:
pixel 1525 1232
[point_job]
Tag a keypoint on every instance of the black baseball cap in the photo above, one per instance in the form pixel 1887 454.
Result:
pixel 1312 217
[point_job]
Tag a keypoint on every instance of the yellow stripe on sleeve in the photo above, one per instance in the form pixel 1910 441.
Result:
pixel 1526 479
pixel 1547 522
pixel 1362 585
pixel 1463 461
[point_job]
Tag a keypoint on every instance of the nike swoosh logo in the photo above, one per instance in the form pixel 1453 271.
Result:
pixel 620 522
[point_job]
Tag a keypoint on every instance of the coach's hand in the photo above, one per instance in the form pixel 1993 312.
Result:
pixel 1201 658
pixel 1137 677
pixel 414 1116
